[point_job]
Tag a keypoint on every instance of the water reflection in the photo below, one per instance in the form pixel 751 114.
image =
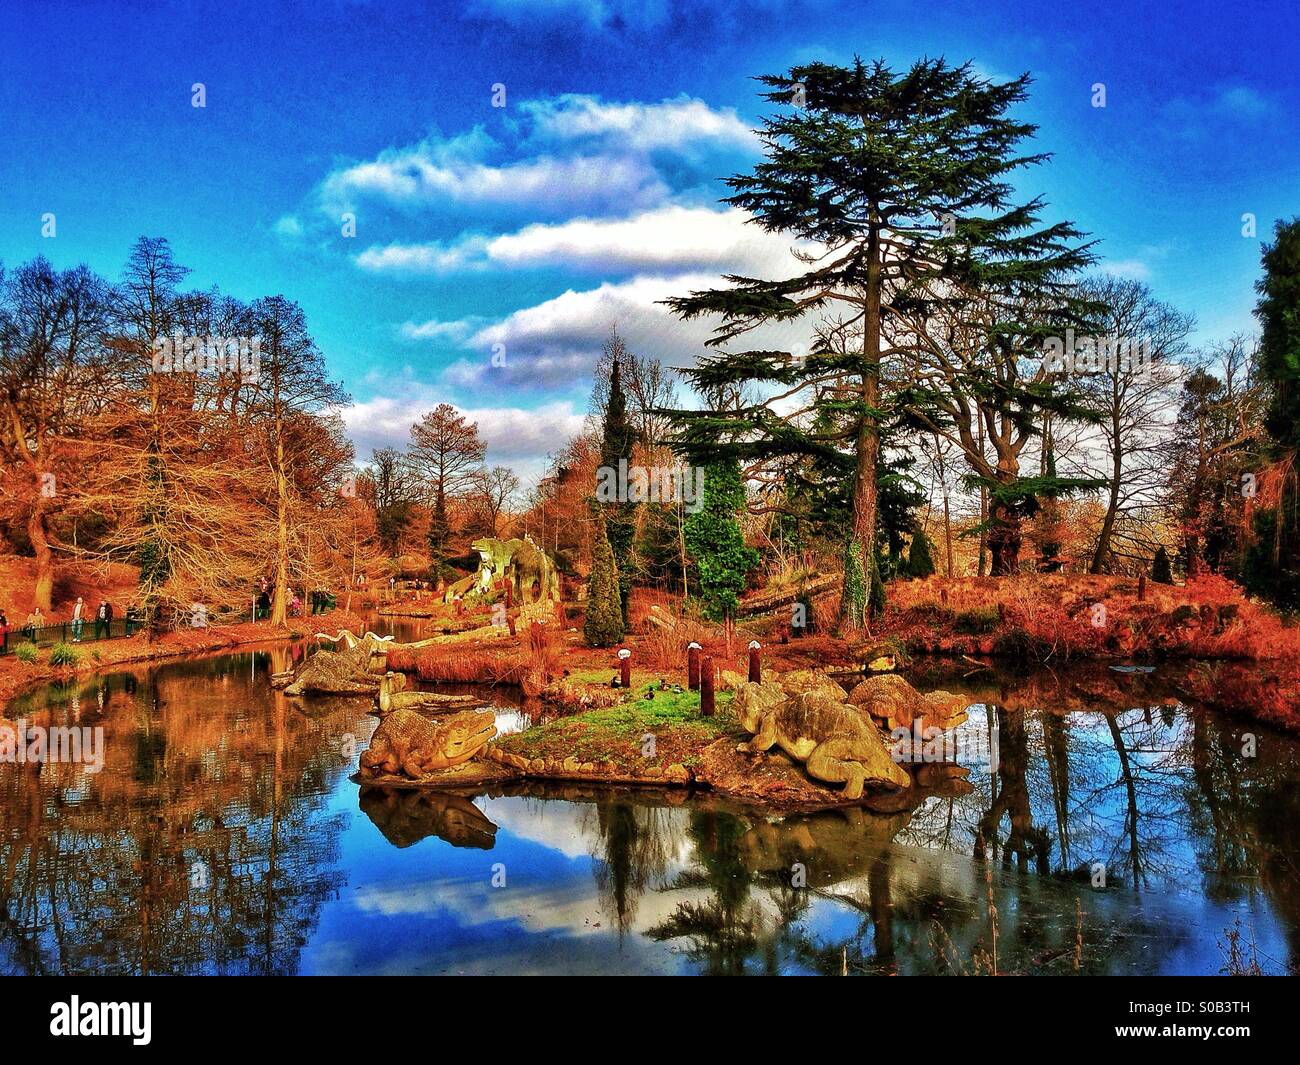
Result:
pixel 224 836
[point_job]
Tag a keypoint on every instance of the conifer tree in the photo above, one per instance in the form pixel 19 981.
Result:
pixel 902 179
pixel 920 558
pixel 715 544
pixel 603 626
pixel 618 439
pixel 1161 571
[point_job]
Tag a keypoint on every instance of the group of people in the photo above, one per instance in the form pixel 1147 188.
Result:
pixel 37 620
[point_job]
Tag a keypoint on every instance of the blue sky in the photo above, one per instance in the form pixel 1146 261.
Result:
pixel 593 192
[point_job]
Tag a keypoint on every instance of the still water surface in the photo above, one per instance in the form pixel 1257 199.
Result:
pixel 224 836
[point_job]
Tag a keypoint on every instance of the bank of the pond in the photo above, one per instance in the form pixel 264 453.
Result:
pixel 17 675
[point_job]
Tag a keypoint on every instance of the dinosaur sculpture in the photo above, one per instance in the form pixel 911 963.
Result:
pixel 344 672
pixel 393 696
pixel 895 704
pixel 531 572
pixel 407 743
pixel 834 741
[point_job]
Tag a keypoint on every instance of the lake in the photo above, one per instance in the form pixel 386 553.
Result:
pixel 223 835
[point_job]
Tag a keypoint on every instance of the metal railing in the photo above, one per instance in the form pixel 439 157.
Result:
pixel 68 632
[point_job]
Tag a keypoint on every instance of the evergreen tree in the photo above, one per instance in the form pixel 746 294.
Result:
pixel 1161 571
pixel 618 439
pixel 715 543
pixel 603 626
pixel 920 557
pixel 902 177
pixel 1272 563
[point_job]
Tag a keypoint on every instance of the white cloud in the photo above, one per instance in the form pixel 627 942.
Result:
pixel 674 124
pixel 515 436
pixel 664 238
pixel 555 343
pixel 1132 269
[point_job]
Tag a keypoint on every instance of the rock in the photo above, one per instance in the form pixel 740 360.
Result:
pixel 678 773
pixel 729 680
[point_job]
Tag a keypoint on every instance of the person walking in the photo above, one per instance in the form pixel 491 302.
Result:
pixel 35 620
pixel 103 620
pixel 4 632
pixel 78 620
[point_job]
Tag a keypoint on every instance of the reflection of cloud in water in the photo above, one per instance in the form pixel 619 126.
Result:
pixel 510 721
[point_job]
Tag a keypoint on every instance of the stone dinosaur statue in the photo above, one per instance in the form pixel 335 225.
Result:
pixel 408 743
pixel 529 568
pixel 834 741
pixel 895 704
pixel 393 696
pixel 344 672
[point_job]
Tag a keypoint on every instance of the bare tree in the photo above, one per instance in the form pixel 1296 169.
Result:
pixel 493 492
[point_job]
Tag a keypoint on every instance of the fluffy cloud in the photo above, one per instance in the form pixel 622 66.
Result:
pixel 665 238
pixel 677 124
pixel 571 151
pixel 555 343
pixel 515 436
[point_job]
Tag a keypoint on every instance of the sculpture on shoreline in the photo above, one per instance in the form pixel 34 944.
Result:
pixel 834 741
pixel 532 574
pixel 408 744
pixel 393 696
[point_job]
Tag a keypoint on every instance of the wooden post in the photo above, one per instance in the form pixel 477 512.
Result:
pixel 707 698
pixel 460 607
pixel 625 667
pixel 1142 587
pixel 693 666
pixel 511 623
pixel 755 673
pixel 510 593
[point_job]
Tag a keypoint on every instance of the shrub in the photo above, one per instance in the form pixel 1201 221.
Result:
pixel 603 626
pixel 1161 571
pixel 979 622
pixel 25 652
pixel 64 654
pixel 920 558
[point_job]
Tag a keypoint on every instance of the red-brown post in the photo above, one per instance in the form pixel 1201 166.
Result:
pixel 693 666
pixel 511 623
pixel 460 606
pixel 707 699
pixel 510 593
pixel 1142 587
pixel 625 668
pixel 755 672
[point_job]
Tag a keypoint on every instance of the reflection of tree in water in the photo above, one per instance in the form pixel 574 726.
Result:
pixel 635 847
pixel 724 930
pixel 201 846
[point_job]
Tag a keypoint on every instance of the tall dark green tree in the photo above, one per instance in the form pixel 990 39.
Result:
pixel 618 440
pixel 1272 565
pixel 715 544
pixel 901 181
pixel 604 625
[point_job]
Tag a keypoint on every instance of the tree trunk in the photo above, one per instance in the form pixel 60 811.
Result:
pixel 280 596
pixel 1108 523
pixel 868 441
pixel 38 534
pixel 1004 539
pixel 984 503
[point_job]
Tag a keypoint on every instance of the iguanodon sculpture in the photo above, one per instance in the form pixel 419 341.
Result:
pixel 408 743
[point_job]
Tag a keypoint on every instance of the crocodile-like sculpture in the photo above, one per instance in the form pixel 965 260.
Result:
pixel 337 673
pixel 393 696
pixel 895 704
pixel 835 742
pixel 408 743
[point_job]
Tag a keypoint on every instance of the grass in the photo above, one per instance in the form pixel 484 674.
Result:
pixel 614 733
pixel 26 652
pixel 64 654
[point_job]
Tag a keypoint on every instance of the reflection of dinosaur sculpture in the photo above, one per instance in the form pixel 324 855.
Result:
pixel 835 742
pixel 406 742
pixel 406 816
pixel 530 571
